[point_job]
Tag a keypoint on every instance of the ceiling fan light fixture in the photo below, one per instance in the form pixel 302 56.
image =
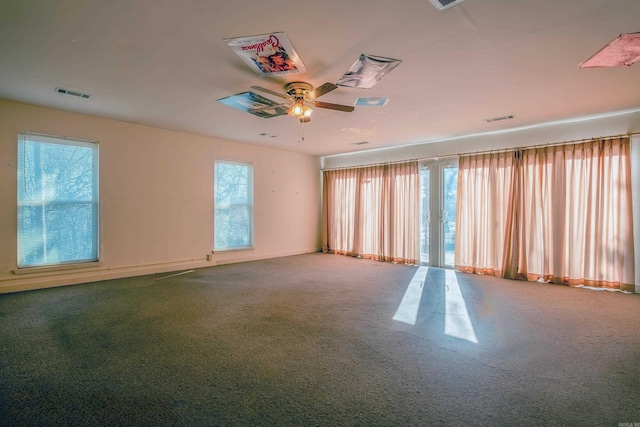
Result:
pixel 297 109
pixel 300 109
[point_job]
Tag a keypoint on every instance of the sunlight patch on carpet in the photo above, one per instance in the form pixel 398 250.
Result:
pixel 457 322
pixel 407 311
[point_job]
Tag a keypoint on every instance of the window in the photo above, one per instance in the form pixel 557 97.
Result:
pixel 57 201
pixel 233 206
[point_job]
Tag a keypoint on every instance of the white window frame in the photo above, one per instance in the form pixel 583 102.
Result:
pixel 219 208
pixel 435 218
pixel 94 259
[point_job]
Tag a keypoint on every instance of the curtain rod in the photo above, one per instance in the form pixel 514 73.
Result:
pixel 497 150
pixel 554 144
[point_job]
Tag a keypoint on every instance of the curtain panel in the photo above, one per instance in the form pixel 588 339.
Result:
pixel 560 214
pixel 372 212
pixel 484 186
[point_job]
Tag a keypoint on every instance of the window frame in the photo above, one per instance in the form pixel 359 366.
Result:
pixel 96 232
pixel 250 205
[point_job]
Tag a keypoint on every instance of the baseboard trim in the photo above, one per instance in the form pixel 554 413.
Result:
pixel 43 280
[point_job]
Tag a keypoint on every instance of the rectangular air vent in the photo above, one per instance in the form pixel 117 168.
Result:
pixel 497 119
pixel 444 4
pixel 72 93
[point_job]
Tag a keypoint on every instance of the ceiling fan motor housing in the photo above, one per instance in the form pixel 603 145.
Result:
pixel 298 90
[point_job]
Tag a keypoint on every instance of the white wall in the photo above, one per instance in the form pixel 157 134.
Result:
pixel 614 124
pixel 542 134
pixel 156 192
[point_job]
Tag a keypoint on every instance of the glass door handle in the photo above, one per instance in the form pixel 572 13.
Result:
pixel 444 216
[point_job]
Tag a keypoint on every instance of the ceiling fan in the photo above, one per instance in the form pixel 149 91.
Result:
pixel 272 54
pixel 300 97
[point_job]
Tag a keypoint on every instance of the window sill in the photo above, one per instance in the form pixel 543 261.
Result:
pixel 220 251
pixel 55 268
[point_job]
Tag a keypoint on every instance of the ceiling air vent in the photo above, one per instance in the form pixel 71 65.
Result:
pixel 444 4
pixel 497 119
pixel 72 93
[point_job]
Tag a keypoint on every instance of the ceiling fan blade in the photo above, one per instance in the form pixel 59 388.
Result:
pixel 268 107
pixel 330 106
pixel 322 90
pixel 272 92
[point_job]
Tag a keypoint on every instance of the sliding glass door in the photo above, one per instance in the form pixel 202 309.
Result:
pixel 438 193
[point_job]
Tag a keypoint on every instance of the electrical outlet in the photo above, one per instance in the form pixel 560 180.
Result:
pixel 209 257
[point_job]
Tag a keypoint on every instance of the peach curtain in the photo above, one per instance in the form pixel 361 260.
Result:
pixel 372 212
pixel 484 186
pixel 567 219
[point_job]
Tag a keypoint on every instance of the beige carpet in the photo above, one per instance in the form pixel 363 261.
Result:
pixel 310 340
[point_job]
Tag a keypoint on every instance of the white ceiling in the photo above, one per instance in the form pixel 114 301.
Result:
pixel 164 63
